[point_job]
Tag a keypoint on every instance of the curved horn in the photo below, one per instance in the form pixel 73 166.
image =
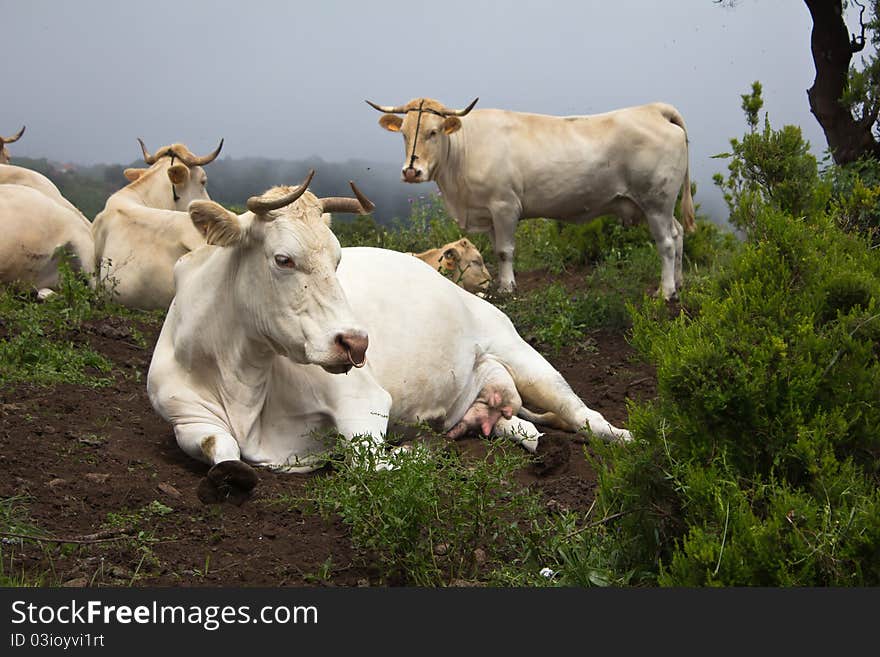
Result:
pixel 463 111
pixel 15 137
pixel 260 205
pixel 149 159
pixel 200 161
pixel 388 109
pixel 359 205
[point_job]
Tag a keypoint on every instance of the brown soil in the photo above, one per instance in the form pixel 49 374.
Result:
pixel 84 459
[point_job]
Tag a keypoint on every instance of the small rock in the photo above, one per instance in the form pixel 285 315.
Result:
pixel 119 572
pixel 480 556
pixel 363 583
pixel 79 582
pixel 57 482
pixel 168 489
pixel 97 478
pixel 440 549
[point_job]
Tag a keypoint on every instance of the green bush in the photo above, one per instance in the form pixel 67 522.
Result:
pixel 759 463
pixel 434 519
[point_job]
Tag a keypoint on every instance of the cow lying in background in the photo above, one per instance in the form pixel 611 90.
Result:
pixel 144 228
pixel 35 231
pixel 4 154
pixel 249 361
pixel 461 262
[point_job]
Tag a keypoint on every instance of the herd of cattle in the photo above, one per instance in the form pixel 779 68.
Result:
pixel 274 334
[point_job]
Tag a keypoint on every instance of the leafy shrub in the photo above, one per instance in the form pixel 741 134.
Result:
pixel 759 463
pixel 434 519
pixel 770 167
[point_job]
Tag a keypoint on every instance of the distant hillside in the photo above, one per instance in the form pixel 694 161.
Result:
pixel 233 181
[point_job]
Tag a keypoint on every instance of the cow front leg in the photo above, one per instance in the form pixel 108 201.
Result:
pixel 230 479
pixel 365 424
pixel 504 220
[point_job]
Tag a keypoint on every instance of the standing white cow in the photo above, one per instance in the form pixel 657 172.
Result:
pixel 4 154
pixel 144 227
pixel 496 167
pixel 250 359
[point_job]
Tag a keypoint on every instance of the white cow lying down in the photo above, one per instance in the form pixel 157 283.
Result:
pixel 266 341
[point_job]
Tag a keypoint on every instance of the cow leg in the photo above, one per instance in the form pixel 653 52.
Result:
pixel 679 253
pixel 230 479
pixel 520 431
pixel 663 232
pixel 541 386
pixel 504 220
pixel 367 417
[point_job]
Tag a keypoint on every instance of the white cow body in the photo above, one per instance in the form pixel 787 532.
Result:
pixel 144 228
pixel 235 382
pixel 15 175
pixel 495 167
pixel 34 230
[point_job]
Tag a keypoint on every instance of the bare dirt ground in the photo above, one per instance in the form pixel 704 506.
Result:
pixel 99 466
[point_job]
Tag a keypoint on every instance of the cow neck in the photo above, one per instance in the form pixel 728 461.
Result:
pixel 215 334
pixel 450 178
pixel 151 192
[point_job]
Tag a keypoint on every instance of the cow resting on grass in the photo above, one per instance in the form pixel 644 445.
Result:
pixel 495 167
pixel 266 342
pixel 461 262
pixel 144 227
pixel 35 232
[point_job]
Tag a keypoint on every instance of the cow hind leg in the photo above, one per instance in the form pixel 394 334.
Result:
pixel 663 231
pixel 541 386
pixel 520 431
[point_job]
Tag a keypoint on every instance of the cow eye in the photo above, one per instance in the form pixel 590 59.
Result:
pixel 284 261
pixel 432 133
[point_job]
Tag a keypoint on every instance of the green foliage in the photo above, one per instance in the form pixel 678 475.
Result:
pixel 14 520
pixel 855 197
pixel 38 341
pixel 433 518
pixel 556 246
pixel 554 317
pixel 759 463
pixel 771 166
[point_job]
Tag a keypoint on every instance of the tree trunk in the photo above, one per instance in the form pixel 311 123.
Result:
pixel 848 139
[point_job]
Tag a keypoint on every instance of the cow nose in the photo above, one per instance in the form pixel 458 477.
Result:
pixel 411 173
pixel 355 345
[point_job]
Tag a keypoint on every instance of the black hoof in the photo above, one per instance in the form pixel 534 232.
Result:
pixel 228 481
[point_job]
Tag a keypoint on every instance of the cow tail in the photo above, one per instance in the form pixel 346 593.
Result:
pixel 687 200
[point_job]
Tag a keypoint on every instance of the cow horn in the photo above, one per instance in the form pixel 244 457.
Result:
pixel 388 109
pixel 149 159
pixel 359 205
pixel 13 138
pixel 463 111
pixel 200 161
pixel 260 205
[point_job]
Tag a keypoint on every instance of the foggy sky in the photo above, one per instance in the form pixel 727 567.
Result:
pixel 288 79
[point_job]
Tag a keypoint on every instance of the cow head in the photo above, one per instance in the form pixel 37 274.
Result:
pixel 283 260
pixel 426 126
pixel 462 262
pixel 4 154
pixel 182 170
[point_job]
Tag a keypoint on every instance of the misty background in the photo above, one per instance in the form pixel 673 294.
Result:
pixel 284 83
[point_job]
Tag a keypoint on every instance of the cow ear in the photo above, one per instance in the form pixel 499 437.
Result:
pixel 133 174
pixel 451 124
pixel 451 258
pixel 216 223
pixel 178 174
pixel 391 122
